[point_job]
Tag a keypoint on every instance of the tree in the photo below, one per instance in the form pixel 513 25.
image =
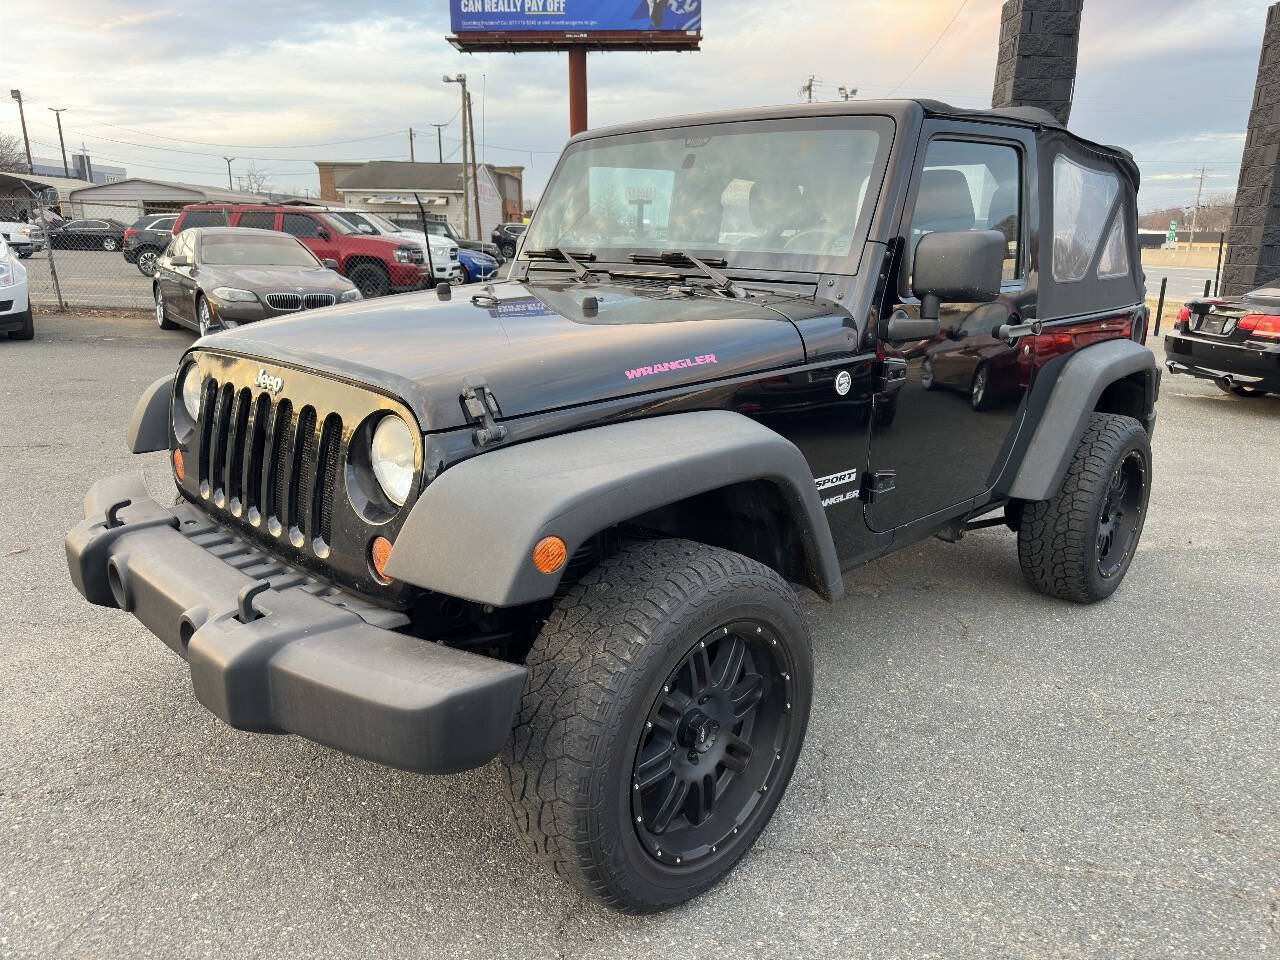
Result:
pixel 254 180
pixel 13 157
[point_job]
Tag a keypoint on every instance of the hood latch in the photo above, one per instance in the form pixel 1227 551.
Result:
pixel 481 408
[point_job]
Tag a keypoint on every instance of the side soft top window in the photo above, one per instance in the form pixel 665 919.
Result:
pixel 971 185
pixel 1082 201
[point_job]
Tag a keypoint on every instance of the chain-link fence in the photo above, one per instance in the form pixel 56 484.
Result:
pixel 104 255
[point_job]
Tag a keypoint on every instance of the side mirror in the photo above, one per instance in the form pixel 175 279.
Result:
pixel 366 229
pixel 957 267
pixel 323 234
pixel 330 263
pixel 179 262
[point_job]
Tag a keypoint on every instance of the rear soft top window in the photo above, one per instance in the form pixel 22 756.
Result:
pixel 1082 200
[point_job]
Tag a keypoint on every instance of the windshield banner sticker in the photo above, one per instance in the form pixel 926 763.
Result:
pixel 670 365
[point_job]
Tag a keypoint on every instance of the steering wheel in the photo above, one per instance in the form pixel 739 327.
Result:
pixel 829 237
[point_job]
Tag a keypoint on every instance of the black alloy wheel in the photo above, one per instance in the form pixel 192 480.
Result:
pixel 1119 522
pixel 662 718
pixel 711 743
pixel 1079 544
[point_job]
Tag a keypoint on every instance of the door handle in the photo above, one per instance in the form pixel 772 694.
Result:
pixel 1011 331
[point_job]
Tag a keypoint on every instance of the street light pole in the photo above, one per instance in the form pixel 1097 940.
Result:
pixel 17 95
pixel 229 159
pixel 461 79
pixel 57 112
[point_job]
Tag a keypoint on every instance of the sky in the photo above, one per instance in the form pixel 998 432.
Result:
pixel 167 88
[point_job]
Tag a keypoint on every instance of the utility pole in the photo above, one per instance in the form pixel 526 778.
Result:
pixel 439 141
pixel 475 174
pixel 461 80
pixel 229 159
pixel 411 144
pixel 88 164
pixel 57 112
pixel 1195 212
pixel 807 87
pixel 17 95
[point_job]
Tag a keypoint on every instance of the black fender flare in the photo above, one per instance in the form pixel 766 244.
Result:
pixel 1071 401
pixel 149 425
pixel 472 532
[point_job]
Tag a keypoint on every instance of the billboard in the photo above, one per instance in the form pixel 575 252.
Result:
pixel 575 16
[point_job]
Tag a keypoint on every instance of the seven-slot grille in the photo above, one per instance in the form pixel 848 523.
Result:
pixel 265 462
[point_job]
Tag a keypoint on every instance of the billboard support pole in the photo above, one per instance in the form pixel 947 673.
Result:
pixel 577 89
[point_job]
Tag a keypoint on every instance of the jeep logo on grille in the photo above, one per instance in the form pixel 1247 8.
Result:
pixel 268 382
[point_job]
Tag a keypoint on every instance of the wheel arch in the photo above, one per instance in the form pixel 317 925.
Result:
pixel 712 476
pixel 1115 376
pixel 149 424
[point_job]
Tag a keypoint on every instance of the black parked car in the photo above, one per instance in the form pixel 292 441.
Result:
pixel 558 518
pixel 506 237
pixel 95 234
pixel 147 239
pixel 1235 343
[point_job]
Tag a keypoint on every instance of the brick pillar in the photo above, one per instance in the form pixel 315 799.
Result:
pixel 1036 63
pixel 1253 257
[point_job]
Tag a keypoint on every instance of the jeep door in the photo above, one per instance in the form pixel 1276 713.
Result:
pixel 944 440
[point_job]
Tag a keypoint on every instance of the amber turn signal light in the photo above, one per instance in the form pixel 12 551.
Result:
pixel 379 554
pixel 179 467
pixel 549 555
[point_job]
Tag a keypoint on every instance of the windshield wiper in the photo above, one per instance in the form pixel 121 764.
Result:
pixel 677 258
pixel 580 271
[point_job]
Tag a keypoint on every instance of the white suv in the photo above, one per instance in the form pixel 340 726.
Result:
pixel 443 255
pixel 15 307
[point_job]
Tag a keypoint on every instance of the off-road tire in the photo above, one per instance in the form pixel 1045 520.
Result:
pixel 1058 538
pixel 371 279
pixel 28 329
pixel 595 669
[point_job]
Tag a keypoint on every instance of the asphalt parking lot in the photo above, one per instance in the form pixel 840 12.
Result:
pixel 987 772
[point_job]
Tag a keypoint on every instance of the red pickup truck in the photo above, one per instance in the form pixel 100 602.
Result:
pixel 377 265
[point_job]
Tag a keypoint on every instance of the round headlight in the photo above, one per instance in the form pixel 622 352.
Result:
pixel 391 454
pixel 191 391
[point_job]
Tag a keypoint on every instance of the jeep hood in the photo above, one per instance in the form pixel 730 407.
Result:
pixel 535 345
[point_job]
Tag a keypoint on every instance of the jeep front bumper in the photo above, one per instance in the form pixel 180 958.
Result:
pixel 271 649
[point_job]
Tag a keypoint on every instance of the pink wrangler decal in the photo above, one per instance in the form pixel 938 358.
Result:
pixel 671 365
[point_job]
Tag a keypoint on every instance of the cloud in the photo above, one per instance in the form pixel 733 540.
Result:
pixel 1170 80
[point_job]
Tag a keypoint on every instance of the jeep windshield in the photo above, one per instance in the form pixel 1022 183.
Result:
pixel 791 195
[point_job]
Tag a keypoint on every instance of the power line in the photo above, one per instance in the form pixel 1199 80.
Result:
pixel 931 47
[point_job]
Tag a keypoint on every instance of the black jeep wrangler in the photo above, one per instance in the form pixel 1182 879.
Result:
pixel 559 518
